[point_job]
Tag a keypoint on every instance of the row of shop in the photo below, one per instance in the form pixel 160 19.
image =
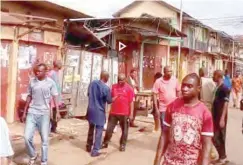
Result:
pixel 89 46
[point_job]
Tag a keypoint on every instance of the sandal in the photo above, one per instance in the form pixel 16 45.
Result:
pixel 32 160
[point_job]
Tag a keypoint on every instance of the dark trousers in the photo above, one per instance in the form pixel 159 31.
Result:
pixel 98 137
pixel 112 122
pixel 219 142
pixel 53 120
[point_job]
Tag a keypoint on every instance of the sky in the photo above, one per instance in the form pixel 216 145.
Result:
pixel 224 15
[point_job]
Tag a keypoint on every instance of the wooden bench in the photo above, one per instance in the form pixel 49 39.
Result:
pixel 144 103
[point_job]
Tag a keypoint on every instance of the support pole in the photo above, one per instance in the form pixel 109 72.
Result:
pixel 179 46
pixel 141 67
pixel 12 78
pixel 232 58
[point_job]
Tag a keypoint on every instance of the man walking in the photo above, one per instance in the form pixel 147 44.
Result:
pixel 188 128
pixel 121 111
pixel 219 111
pixel 133 83
pixel 207 88
pixel 165 89
pixel 237 90
pixel 40 92
pixel 207 92
pixel 99 94
pixel 54 75
pixel 227 80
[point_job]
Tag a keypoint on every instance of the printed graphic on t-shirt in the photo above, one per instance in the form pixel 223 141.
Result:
pixel 185 140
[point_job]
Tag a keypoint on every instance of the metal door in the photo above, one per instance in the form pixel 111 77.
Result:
pixel 90 69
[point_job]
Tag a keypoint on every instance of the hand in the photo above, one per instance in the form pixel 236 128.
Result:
pixel 130 118
pixel 58 116
pixel 23 117
pixel 114 98
pixel 222 123
pixel 157 113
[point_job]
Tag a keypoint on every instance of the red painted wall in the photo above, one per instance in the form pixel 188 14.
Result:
pixel 45 53
pixel 5 50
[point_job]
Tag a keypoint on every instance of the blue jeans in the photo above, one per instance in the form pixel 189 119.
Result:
pixel 162 118
pixel 42 123
pixel 96 143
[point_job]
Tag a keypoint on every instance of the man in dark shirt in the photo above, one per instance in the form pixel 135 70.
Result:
pixel 219 112
pixel 99 94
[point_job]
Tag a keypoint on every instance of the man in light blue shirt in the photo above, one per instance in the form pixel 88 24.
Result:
pixel 40 92
pixel 227 80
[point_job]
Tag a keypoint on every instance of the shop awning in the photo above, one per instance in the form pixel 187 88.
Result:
pixel 93 31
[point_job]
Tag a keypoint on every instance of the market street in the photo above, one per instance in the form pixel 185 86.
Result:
pixel 69 148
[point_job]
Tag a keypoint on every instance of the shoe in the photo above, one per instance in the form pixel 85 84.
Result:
pixel 104 145
pixel 32 160
pixel 221 161
pixel 88 148
pixel 43 163
pixel 122 148
pixel 95 154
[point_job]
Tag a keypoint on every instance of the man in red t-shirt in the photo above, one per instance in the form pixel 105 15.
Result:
pixel 188 132
pixel 121 111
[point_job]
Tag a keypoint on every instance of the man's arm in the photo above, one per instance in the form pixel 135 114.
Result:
pixel 56 102
pixel 207 144
pixel 155 104
pixel 224 114
pixel 164 137
pixel 109 98
pixel 225 108
pixel 55 97
pixel 131 110
pixel 28 101
pixel 162 146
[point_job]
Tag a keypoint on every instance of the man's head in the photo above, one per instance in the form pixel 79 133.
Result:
pixel 237 74
pixel 203 72
pixel 40 71
pixel 218 75
pixel 157 76
pixel 190 86
pixel 167 72
pixel 104 76
pixel 226 72
pixel 57 64
pixel 133 73
pixel 121 79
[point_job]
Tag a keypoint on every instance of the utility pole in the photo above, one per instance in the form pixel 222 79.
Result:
pixel 179 46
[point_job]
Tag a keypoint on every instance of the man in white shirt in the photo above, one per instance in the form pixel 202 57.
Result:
pixel 207 88
pixel 131 80
pixel 207 93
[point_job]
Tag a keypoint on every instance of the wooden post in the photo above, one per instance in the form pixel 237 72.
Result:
pixel 12 78
pixel 168 55
pixel 141 67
